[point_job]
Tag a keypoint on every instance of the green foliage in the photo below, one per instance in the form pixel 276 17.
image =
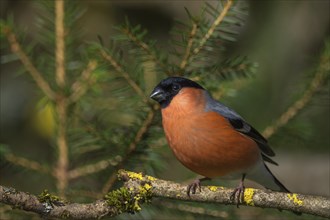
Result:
pixel 109 127
pixel 105 123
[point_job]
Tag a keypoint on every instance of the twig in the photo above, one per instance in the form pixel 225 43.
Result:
pixel 89 169
pixel 292 111
pixel 187 54
pixel 146 48
pixel 62 101
pixel 79 87
pixel 36 75
pixel 211 30
pixel 120 70
pixel 143 129
pixel 103 164
pixel 314 205
pixel 28 202
pixel 61 170
pixel 60 43
pixel 26 163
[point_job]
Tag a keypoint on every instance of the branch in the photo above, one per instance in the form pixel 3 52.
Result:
pixel 62 101
pixel 26 163
pixel 120 70
pixel 314 205
pixel 141 188
pixel 145 47
pixel 117 164
pixel 318 80
pixel 90 169
pixel 28 202
pixel 79 88
pixel 36 75
pixel 211 30
pixel 60 44
pixel 143 129
pixel 187 54
pixel 61 169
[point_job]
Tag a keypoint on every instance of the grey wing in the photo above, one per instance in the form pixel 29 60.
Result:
pixel 241 126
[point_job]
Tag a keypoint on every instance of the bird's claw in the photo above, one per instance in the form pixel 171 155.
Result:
pixel 239 191
pixel 192 187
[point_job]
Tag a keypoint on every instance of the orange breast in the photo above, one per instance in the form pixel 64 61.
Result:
pixel 205 142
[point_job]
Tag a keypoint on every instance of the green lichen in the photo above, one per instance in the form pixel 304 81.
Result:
pixel 46 197
pixel 129 199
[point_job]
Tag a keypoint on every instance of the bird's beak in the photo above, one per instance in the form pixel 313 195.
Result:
pixel 158 95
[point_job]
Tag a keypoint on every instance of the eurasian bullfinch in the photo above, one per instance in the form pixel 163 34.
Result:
pixel 211 139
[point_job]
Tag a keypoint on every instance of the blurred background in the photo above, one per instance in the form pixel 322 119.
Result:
pixel 285 39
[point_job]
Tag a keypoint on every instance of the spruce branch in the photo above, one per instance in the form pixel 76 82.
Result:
pixel 79 87
pixel 131 148
pixel 104 164
pixel 187 54
pixel 89 169
pixel 318 80
pixel 26 163
pixel 215 24
pixel 145 47
pixel 62 101
pixel 61 170
pixel 120 70
pixel 34 72
pixel 60 43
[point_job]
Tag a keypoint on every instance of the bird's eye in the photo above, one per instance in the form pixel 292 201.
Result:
pixel 176 87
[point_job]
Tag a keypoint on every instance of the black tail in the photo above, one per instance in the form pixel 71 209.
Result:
pixel 282 187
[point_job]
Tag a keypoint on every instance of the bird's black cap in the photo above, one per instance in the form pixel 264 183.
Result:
pixel 164 92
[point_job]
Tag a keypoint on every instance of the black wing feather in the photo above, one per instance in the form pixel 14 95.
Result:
pixel 243 127
pixel 240 125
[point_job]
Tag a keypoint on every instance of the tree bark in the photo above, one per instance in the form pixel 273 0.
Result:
pixel 133 182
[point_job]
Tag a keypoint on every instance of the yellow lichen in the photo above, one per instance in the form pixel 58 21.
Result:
pixel 293 197
pixel 147 186
pixel 212 188
pixel 178 195
pixel 133 175
pixel 151 178
pixel 248 196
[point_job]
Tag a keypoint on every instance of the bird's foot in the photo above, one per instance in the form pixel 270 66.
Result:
pixel 238 194
pixel 192 187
